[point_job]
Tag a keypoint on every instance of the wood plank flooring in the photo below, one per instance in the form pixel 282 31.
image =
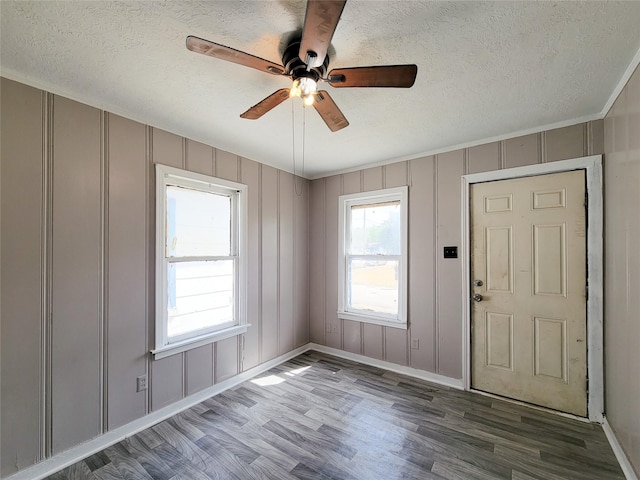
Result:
pixel 321 417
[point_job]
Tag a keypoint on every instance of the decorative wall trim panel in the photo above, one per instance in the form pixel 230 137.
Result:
pixel 47 217
pixel 103 307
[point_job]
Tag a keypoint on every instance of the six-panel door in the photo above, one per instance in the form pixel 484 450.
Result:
pixel 528 247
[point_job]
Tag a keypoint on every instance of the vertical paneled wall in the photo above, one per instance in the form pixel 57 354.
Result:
pixel 76 283
pixel 126 262
pixel 622 268
pixel 435 216
pixel 24 256
pixel 77 277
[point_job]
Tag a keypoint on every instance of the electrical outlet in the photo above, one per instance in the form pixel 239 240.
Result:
pixel 415 343
pixel 141 383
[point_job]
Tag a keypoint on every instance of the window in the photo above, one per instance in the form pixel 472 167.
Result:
pixel 372 251
pixel 200 265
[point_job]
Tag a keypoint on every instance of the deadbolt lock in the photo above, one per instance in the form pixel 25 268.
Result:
pixel 477 283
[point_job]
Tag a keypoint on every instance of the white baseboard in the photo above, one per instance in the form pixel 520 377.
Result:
pixel 622 458
pixel 374 362
pixel 75 454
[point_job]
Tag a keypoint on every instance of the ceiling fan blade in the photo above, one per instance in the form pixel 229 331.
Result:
pixel 400 76
pixel 329 111
pixel 320 21
pixel 272 101
pixel 205 47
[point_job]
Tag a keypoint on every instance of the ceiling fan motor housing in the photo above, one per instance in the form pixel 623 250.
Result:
pixel 297 68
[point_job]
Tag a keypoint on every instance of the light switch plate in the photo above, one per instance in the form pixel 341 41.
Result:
pixel 450 252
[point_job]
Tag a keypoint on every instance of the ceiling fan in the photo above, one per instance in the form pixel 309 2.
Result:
pixel 305 61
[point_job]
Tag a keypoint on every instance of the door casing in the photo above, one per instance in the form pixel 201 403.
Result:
pixel 593 173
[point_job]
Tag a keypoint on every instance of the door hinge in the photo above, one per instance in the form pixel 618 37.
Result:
pixel 587 385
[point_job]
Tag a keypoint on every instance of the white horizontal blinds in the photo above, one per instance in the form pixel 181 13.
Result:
pixel 380 204
pixel 198 223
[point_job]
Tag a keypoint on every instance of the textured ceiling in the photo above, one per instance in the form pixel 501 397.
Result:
pixel 485 69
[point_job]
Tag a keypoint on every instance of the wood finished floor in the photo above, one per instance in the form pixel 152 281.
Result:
pixel 321 417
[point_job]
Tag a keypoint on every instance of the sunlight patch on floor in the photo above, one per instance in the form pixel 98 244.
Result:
pixel 269 380
pixel 297 371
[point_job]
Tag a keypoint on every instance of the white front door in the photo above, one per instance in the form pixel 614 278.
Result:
pixel 528 273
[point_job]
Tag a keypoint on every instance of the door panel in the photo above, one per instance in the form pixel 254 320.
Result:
pixel 549 247
pixel 499 262
pixel 549 348
pixel 529 325
pixel 499 328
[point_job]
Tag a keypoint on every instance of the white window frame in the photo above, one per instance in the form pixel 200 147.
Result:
pixel 169 176
pixel 345 202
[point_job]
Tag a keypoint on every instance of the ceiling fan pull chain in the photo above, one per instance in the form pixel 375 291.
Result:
pixel 304 134
pixel 293 138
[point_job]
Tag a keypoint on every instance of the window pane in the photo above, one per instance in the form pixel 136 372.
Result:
pixel 375 229
pixel 200 295
pixel 198 223
pixel 373 285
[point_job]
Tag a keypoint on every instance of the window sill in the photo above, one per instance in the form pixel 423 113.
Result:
pixel 183 346
pixel 356 317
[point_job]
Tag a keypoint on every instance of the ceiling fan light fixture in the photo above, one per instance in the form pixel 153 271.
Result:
pixel 295 89
pixel 303 87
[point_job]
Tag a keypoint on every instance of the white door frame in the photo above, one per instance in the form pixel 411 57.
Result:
pixel 593 173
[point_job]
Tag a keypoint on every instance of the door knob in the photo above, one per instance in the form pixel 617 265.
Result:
pixel 477 297
pixel 477 283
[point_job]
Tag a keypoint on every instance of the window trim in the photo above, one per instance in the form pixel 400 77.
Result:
pixel 171 176
pixel 345 202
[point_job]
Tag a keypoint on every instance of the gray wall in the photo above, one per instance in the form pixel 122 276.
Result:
pixel 622 268
pixel 435 283
pixel 77 277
